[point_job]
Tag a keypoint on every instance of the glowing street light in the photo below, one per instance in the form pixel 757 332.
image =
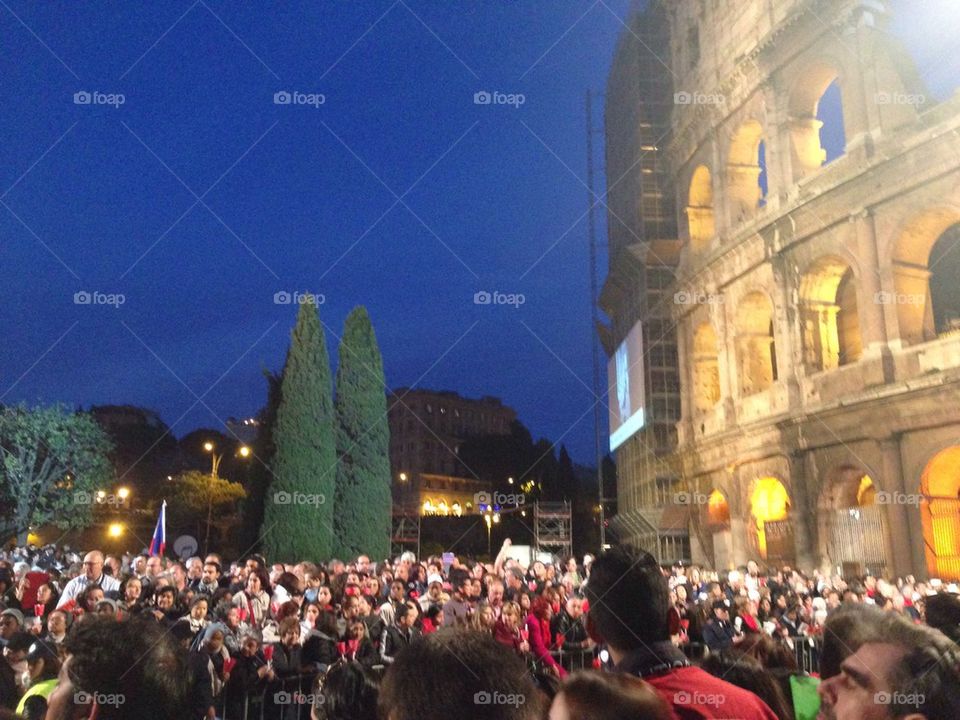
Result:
pixel 244 451
pixel 123 493
pixel 115 530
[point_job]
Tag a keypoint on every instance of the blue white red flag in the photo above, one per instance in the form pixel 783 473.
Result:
pixel 159 540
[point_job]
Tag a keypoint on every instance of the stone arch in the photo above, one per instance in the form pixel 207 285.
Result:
pixel 706 368
pixel 700 218
pixel 852 528
pixel 920 250
pixel 816 95
pixel 755 345
pixel 744 168
pixel 829 315
pixel 940 513
pixel 771 531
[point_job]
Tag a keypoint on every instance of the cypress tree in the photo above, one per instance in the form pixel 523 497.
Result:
pixel 363 500
pixel 298 516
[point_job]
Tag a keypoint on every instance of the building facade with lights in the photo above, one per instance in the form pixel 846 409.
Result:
pixel 426 430
pixel 800 310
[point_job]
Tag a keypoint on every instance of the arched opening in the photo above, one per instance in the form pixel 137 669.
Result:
pixel 756 351
pixel 718 511
pixel 769 510
pixel 746 176
pixel 706 368
pixel 852 525
pixel 700 209
pixel 926 261
pixel 829 315
pixel 940 513
pixel 816 120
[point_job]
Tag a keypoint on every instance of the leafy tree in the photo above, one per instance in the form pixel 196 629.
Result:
pixel 299 509
pixel 53 463
pixel 197 495
pixel 363 504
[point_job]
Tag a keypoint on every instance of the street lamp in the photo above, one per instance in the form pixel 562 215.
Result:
pixel 244 452
pixel 115 530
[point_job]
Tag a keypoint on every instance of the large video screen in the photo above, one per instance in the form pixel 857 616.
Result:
pixel 626 392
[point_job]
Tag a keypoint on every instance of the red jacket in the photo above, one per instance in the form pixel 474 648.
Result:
pixel 538 643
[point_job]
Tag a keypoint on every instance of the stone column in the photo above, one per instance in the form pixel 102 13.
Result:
pixel 905 543
pixel 802 514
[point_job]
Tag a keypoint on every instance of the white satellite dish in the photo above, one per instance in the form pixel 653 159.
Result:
pixel 185 546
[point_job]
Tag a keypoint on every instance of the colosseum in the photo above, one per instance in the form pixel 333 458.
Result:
pixel 794 274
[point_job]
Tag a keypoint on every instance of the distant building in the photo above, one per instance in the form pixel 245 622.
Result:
pixel 426 430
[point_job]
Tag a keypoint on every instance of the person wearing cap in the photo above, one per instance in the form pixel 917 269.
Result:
pixel 719 633
pixel 43 666
pixel 11 622
pixel 15 655
pixel 434 593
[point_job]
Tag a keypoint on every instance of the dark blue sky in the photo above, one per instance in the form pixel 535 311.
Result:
pixel 199 198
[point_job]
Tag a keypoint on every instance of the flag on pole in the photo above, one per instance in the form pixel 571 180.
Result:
pixel 159 540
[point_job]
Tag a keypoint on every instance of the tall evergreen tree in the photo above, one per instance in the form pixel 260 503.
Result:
pixel 299 505
pixel 363 502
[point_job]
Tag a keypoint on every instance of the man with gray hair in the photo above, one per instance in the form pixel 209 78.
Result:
pixel 879 666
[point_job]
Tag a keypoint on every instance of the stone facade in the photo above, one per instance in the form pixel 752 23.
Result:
pixel 817 350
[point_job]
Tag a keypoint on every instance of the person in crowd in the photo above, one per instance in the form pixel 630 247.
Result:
pixel 250 675
pixel 208 582
pixel 11 622
pixel 537 626
pixel 588 695
pixel 629 601
pixel 120 670
pixel 358 647
pixel 131 594
pixel 434 593
pixel 253 600
pixel 43 666
pixel 432 619
pixel 347 692
pixel 452 673
pixel 208 675
pixel 56 628
pixel 165 610
pixel 719 633
pixel 402 633
pixel 744 671
pixel 456 611
pixel 92 575
pixel 287 655
pixel 508 629
pixel 901 670
pixel 569 626
pixel 15 655
pixel 387 611
pixel 320 644
pixel 197 617
pixel 484 619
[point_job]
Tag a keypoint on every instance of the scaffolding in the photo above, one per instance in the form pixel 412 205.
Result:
pixel 553 528
pixel 405 530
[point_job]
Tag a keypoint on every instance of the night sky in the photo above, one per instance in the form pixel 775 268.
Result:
pixel 199 198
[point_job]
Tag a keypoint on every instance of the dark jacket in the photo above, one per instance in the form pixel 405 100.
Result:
pixel 718 635
pixel 574 631
pixel 395 640
pixel 319 651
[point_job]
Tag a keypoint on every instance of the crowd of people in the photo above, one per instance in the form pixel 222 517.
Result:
pixel 133 636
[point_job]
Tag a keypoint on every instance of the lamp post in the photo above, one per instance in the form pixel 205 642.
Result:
pixel 244 452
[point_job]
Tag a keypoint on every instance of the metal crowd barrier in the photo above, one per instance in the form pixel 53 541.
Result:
pixel 807 651
pixel 291 698
pixel 573 661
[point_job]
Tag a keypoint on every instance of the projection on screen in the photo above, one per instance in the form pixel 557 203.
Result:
pixel 625 383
